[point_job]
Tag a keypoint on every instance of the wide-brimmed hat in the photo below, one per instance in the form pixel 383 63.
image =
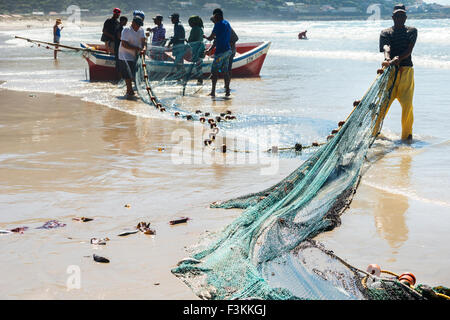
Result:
pixel 399 8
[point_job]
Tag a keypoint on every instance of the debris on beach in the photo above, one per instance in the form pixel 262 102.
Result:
pixel 52 224
pixel 127 205
pixel 83 219
pixel 19 229
pixel 100 259
pixel 179 220
pixel 145 228
pixel 126 233
pixel 99 241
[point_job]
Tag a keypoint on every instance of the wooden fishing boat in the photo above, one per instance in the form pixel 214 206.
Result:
pixel 247 62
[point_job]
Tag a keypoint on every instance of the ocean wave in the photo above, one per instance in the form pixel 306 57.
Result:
pixel 422 61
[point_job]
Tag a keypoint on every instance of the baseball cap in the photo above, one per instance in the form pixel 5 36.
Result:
pixel 175 15
pixel 399 8
pixel 116 10
pixel 158 17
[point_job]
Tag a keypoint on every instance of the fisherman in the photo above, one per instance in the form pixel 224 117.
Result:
pixel 57 35
pixel 177 41
pixel 195 40
pixel 302 35
pixel 233 39
pixel 222 33
pixel 397 43
pixel 122 23
pixel 132 42
pixel 159 32
pixel 109 30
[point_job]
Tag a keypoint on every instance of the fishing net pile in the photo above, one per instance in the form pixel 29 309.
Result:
pixel 268 252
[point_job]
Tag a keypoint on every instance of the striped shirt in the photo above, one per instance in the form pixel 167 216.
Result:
pixel 399 41
pixel 159 34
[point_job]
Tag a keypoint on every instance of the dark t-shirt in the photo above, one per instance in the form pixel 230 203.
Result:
pixel 178 34
pixel 117 40
pixel 222 30
pixel 110 26
pixel 399 41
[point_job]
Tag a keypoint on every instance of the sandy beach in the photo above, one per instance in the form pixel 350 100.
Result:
pixel 68 158
pixel 63 156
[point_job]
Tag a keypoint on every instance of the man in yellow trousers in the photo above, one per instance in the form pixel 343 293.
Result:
pixel 397 43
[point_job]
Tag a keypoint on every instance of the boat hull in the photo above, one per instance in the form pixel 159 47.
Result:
pixel 247 63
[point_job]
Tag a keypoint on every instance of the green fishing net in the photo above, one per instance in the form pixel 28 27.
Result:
pixel 267 252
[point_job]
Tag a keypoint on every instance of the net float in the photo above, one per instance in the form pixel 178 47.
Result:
pixel 228 112
pixel 227 118
pixel 407 278
pixel 222 114
pixel 202 119
pixel 176 114
pixel 207 142
pixel 198 111
pixel 158 105
pixel 341 123
pixel 218 119
pixel 162 109
pixel 356 102
pixel 334 131
pixel 144 65
pixel 374 269
pixel 188 117
pixel 213 125
pixel 152 97
pixel 211 120
pixel 232 117
pixel 224 148
pixel 212 136
pixel 146 76
pixel 315 144
pixel 298 147
pixel 207 114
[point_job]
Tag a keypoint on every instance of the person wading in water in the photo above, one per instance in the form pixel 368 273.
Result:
pixel 397 43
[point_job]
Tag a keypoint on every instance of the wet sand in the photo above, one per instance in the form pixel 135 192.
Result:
pixel 62 158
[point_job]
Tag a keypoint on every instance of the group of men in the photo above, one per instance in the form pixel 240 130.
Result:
pixel 126 42
pixel 396 42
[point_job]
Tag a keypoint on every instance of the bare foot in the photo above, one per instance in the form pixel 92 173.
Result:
pixel 212 94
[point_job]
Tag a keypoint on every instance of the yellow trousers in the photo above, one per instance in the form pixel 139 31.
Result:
pixel 403 91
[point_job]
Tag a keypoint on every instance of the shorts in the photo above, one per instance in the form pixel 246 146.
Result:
pixel 221 62
pixel 56 39
pixel 127 69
